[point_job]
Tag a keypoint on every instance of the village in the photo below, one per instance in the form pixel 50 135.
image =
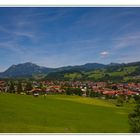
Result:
pixel 37 88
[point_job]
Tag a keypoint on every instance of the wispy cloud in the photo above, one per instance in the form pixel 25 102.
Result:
pixel 65 36
pixel 127 40
pixel 17 32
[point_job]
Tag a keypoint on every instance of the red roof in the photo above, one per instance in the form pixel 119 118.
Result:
pixel 109 92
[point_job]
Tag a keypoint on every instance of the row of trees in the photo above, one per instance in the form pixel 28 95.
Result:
pixel 91 93
pixel 78 91
pixel 73 91
pixel 18 87
pixel 134 117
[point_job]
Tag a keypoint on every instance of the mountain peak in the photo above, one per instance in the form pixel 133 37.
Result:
pixel 28 63
pixel 24 69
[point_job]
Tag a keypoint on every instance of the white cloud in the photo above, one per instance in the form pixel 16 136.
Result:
pixel 104 53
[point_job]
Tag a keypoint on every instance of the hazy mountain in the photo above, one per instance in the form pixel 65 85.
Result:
pixel 25 69
pixel 112 72
pixel 114 64
pixel 29 69
pixel 87 71
pixel 85 67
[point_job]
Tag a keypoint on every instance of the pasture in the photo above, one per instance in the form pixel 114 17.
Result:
pixel 61 114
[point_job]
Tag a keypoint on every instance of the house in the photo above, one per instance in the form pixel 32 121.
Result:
pixel 3 86
pixel 35 92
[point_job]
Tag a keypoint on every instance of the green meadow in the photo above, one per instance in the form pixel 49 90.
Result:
pixel 61 114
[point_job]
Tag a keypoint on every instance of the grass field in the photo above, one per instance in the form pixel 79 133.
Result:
pixel 61 114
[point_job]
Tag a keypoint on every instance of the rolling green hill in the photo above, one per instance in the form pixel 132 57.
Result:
pixel 115 73
pixel 61 114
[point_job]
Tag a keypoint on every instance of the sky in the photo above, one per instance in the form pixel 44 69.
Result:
pixel 62 36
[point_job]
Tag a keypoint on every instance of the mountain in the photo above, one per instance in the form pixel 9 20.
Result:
pixel 23 70
pixel 30 69
pixel 113 72
pixel 89 71
pixel 85 67
pixel 114 64
pixel 90 66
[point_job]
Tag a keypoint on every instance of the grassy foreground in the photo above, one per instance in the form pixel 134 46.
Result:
pixel 61 114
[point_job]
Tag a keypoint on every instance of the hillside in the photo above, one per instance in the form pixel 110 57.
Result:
pixel 29 69
pixel 115 73
pixel 90 71
pixel 24 70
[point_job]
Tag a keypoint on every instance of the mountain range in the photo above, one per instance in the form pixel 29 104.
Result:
pixel 29 69
pixel 94 71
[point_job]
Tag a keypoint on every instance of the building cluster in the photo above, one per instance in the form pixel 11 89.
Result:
pixel 55 87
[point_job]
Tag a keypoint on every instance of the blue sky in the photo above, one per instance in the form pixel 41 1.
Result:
pixel 62 36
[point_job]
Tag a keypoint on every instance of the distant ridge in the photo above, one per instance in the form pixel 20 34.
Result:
pixel 29 69
pixel 23 70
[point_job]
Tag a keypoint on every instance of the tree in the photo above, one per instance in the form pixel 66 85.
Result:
pixel 69 91
pixel 92 94
pixel 95 94
pixel 28 87
pixel 88 92
pixel 76 91
pixel 40 85
pixel 19 88
pixel 11 87
pixel 134 118
pixel 120 100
